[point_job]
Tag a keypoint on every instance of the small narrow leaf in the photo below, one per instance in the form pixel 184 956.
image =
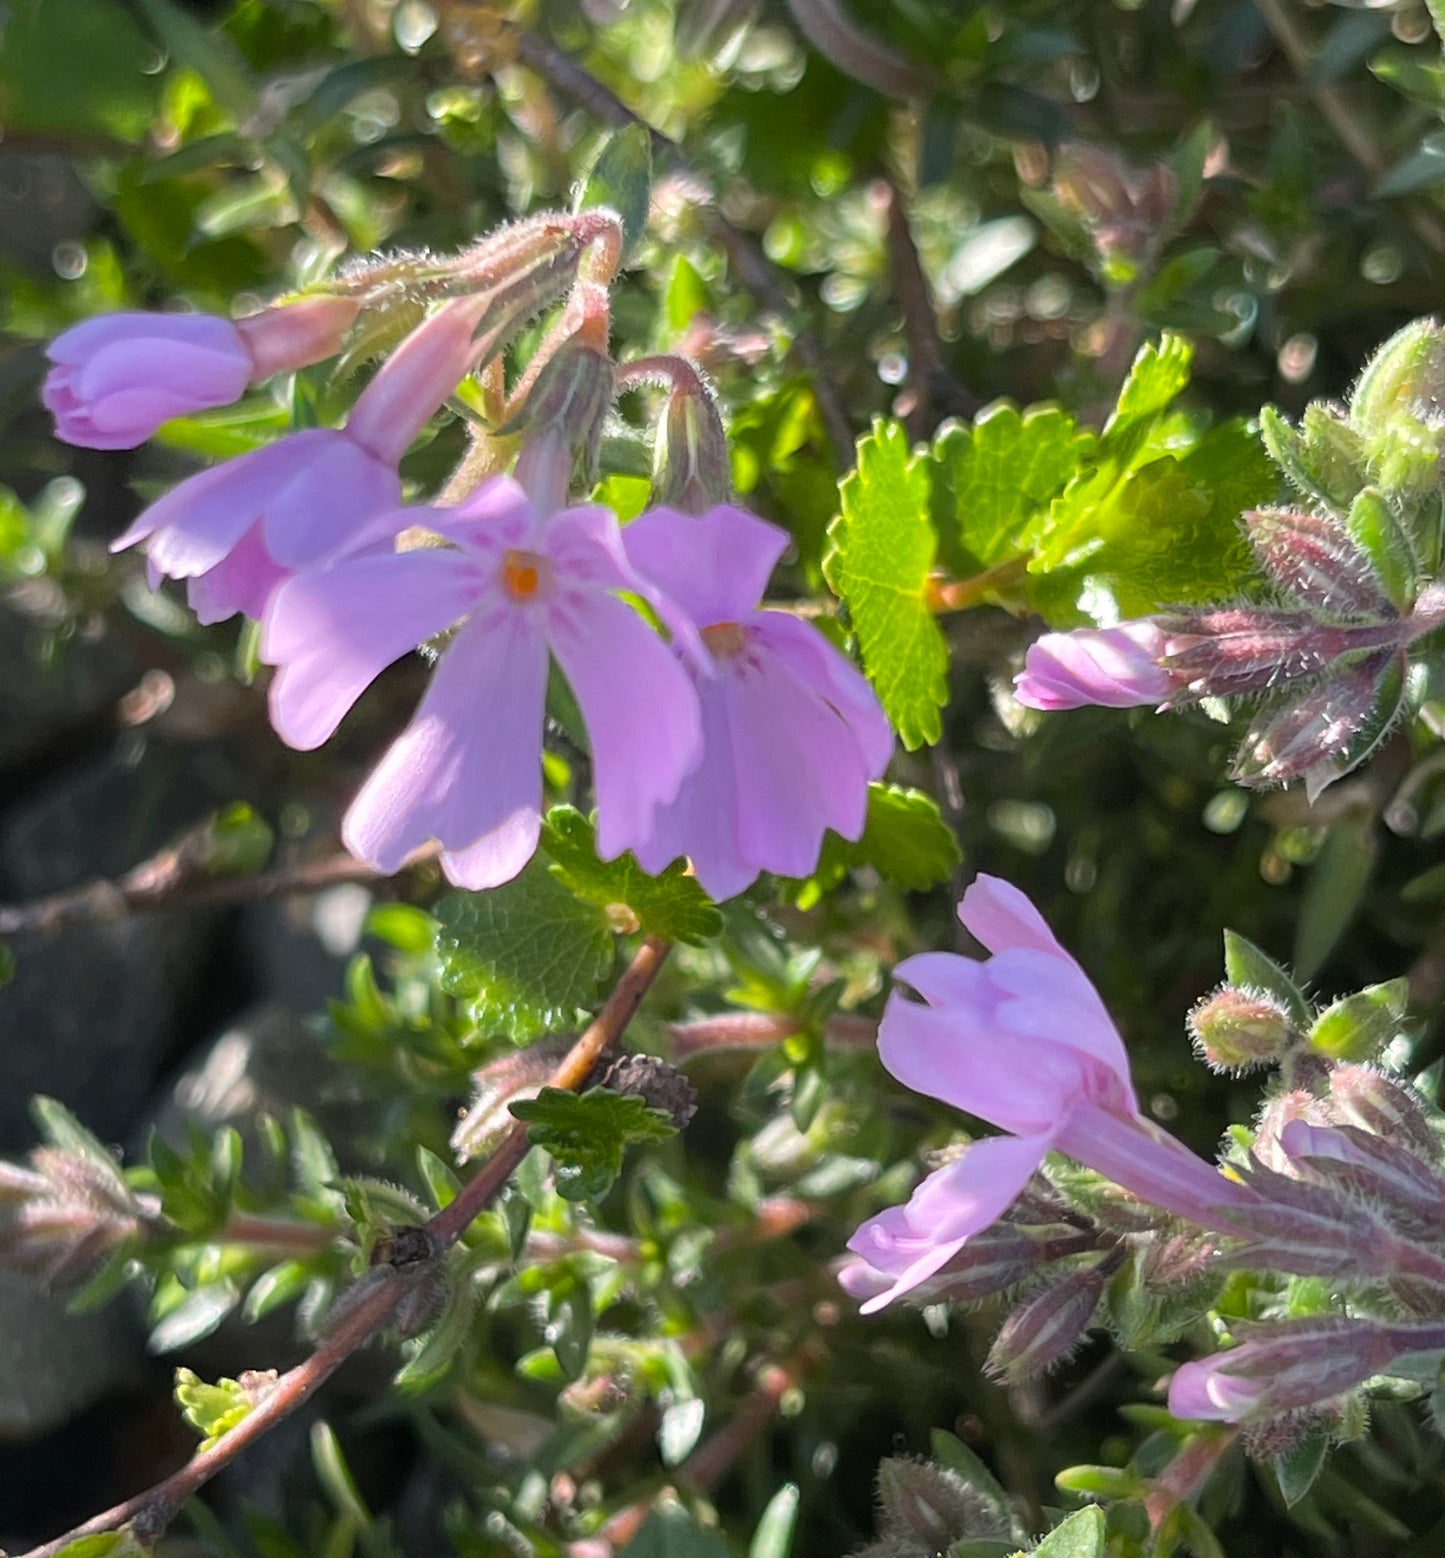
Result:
pixel 621 177
pixel 1245 964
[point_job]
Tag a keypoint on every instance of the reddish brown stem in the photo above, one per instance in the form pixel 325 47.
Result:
pixel 761 1030
pixel 153 1510
pixel 174 878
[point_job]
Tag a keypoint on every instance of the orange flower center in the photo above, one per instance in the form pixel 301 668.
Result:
pixel 522 573
pixel 725 639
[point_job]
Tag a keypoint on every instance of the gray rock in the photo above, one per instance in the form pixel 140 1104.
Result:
pixel 54 1363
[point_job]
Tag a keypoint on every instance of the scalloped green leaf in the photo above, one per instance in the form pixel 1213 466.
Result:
pixel 883 546
pixel 671 905
pixel 588 1133
pixel 526 956
pixel 991 479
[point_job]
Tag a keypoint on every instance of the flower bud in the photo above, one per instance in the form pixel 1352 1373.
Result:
pixel 1312 557
pixel 1372 1169
pixel 1124 210
pixel 1046 1328
pixel 1237 1028
pixel 1297 1363
pixel 926 1507
pixel 1116 667
pixel 1375 1102
pixel 1276 1116
pixel 1325 731
pixel 1407 375
pixel 691 469
pixel 502 1082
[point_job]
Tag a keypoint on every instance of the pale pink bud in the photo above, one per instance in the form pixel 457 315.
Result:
pixel 119 376
pixel 1235 1029
pixel 1116 667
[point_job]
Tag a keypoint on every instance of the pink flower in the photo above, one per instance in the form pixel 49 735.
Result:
pixel 119 376
pixel 237 530
pixel 1294 1364
pixel 467 770
pixel 1023 1041
pixel 1116 667
pixel 791 732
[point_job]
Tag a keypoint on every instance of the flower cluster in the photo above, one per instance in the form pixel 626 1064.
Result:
pixel 1352 564
pixel 734 736
pixel 1342 1180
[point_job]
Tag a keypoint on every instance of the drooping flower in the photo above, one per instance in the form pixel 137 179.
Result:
pixel 1116 667
pixel 1023 1041
pixel 119 376
pixel 467 770
pixel 792 733
pixel 239 528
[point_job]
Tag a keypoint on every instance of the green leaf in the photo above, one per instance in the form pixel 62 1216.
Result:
pixel 1245 964
pixel 67 69
pixel 991 479
pixel 1373 527
pixel 1359 1026
pixel 621 177
pixel 209 52
pixel 670 1532
pixel 1166 532
pixel 1080 1536
pixel 1334 891
pixel 1158 373
pixel 671 905
pixel 1324 457
pixel 883 548
pixel 212 1410
pixel 774 1535
pixel 587 1134
pixel 61 1129
pixel 1297 1469
pixel 526 956
pixel 7 965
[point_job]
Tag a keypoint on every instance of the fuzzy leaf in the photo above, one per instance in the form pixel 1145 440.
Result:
pixel 883 548
pixel 588 1133
pixel 526 955
pixel 671 905
pixel 1246 965
pixel 1081 1535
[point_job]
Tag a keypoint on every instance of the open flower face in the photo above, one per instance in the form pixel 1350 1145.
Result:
pixel 792 733
pixel 522 586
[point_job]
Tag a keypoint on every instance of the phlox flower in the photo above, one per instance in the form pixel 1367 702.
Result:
pixel 118 376
pixel 467 770
pixel 237 530
pixel 1021 1040
pixel 1116 667
pixel 791 731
